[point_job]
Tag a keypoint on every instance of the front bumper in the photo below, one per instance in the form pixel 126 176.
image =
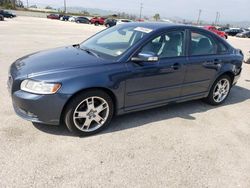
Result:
pixel 45 109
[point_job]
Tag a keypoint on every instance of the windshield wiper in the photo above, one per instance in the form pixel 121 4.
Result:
pixel 76 45
pixel 89 51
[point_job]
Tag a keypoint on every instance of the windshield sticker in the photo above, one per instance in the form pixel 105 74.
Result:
pixel 143 29
pixel 118 52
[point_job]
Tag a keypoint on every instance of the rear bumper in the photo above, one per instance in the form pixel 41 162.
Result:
pixel 45 109
pixel 237 77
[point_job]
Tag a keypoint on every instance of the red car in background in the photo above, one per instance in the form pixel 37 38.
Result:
pixel 216 31
pixel 54 16
pixel 97 20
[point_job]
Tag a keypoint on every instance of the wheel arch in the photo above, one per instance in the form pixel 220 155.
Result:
pixel 228 73
pixel 106 90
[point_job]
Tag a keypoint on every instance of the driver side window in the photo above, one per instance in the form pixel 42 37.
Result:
pixel 167 45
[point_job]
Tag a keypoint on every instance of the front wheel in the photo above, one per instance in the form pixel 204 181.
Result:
pixel 89 112
pixel 220 90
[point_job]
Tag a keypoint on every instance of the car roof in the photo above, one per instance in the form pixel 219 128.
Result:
pixel 161 25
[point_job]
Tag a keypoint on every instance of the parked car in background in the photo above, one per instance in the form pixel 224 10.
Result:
pixel 140 20
pixel 122 21
pixel 7 14
pixel 223 28
pixel 54 16
pixel 216 31
pixel 72 18
pixel 110 22
pixel 245 34
pixel 233 31
pixel 65 18
pixel 1 17
pixel 123 69
pixel 82 19
pixel 97 20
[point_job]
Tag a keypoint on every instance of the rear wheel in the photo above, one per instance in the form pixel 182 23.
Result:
pixel 89 112
pixel 96 23
pixel 220 90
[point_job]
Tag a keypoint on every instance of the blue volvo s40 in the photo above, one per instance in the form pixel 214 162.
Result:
pixel 126 68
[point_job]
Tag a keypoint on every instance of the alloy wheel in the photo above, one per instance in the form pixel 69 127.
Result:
pixel 221 90
pixel 91 114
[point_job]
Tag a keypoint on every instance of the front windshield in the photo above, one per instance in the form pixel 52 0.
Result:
pixel 113 42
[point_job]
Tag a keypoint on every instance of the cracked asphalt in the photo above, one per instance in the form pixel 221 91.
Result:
pixel 189 145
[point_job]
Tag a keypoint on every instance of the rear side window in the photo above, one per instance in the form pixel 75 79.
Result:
pixel 202 44
pixel 222 48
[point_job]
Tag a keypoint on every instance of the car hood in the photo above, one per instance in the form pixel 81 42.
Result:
pixel 55 60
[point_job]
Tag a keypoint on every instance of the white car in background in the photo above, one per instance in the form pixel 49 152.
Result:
pixel 72 18
pixel 122 21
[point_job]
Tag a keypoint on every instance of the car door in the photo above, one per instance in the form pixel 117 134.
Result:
pixel 152 83
pixel 202 63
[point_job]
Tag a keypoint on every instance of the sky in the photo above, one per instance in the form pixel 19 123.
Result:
pixel 230 10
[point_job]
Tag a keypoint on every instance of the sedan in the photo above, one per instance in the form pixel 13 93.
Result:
pixel 110 22
pixel 7 14
pixel 54 16
pixel 123 69
pixel 233 32
pixel 82 20
pixel 65 18
pixel 245 34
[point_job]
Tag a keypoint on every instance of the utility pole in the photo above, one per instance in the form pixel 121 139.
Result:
pixel 199 17
pixel 216 18
pixel 65 6
pixel 141 7
pixel 27 3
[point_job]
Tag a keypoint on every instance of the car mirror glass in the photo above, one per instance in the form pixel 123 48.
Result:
pixel 145 57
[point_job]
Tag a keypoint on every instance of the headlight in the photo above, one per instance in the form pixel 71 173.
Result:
pixel 39 87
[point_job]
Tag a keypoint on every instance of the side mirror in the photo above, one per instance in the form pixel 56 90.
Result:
pixel 145 57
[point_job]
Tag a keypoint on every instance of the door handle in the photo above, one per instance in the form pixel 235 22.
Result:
pixel 215 64
pixel 176 66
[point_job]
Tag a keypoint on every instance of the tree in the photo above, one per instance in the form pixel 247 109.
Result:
pixel 33 6
pixel 48 7
pixel 11 3
pixel 157 17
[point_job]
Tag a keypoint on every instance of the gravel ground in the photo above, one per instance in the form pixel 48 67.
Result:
pixel 186 145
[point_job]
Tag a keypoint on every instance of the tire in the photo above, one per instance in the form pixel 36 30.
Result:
pixel 96 23
pixel 96 108
pixel 215 92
